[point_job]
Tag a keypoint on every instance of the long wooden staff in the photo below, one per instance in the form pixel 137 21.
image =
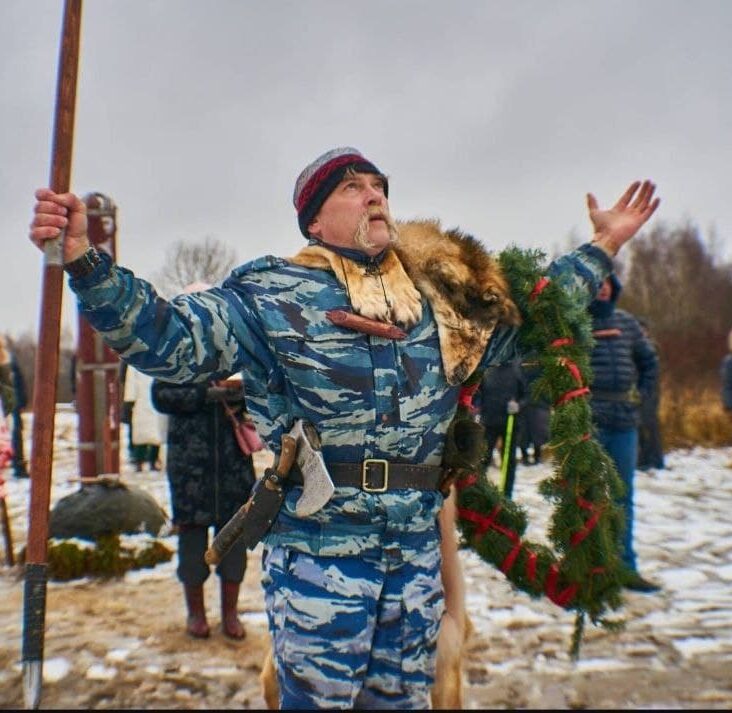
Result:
pixel 46 372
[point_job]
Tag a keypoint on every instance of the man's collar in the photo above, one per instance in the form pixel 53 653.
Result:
pixel 351 254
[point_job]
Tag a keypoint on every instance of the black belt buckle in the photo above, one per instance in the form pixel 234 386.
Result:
pixel 365 472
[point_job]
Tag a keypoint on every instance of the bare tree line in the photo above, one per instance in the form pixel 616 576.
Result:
pixel 681 285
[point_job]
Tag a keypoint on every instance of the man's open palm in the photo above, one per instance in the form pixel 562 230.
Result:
pixel 621 222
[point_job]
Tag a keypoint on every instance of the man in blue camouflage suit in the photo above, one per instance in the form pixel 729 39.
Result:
pixel 353 592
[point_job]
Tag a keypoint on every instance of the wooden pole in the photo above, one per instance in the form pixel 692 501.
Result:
pixel 46 371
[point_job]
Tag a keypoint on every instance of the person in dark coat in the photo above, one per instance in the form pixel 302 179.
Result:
pixel 7 392
pixel 534 417
pixel 725 373
pixel 625 370
pixel 650 444
pixel 210 479
pixel 501 395
pixel 20 465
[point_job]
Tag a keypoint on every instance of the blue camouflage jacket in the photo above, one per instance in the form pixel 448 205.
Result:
pixel 369 397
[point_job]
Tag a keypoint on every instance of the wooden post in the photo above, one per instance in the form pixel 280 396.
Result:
pixel 46 372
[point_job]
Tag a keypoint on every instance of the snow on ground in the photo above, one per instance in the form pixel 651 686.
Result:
pixel 676 645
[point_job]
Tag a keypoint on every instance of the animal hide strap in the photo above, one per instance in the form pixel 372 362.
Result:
pixel 452 271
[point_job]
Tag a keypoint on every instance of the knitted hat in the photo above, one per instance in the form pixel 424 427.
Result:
pixel 319 178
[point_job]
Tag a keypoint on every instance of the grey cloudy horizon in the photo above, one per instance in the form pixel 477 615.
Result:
pixel 497 118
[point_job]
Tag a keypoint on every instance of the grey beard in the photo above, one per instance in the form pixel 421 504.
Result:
pixel 360 237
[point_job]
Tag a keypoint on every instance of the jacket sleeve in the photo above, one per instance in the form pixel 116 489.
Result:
pixel 178 399
pixel 646 361
pixel 191 338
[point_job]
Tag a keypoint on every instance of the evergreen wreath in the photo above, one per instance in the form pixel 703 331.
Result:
pixel 583 572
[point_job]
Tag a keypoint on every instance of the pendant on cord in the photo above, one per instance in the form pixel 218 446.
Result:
pixel 365 325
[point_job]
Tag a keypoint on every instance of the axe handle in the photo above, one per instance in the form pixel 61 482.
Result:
pixel 287 456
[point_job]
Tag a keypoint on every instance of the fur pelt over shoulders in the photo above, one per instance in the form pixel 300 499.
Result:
pixel 457 276
pixel 464 286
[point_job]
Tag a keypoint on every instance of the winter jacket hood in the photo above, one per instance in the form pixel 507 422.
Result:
pixel 604 308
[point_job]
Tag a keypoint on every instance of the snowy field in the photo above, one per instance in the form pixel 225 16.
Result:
pixel 674 652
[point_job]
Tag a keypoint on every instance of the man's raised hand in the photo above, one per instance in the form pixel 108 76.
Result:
pixel 616 225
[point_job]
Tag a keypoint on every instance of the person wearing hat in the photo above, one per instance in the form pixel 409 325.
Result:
pixel 358 335
pixel 624 365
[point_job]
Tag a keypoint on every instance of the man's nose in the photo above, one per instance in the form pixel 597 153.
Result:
pixel 374 196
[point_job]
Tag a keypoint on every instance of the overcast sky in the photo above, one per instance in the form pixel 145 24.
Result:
pixel 196 117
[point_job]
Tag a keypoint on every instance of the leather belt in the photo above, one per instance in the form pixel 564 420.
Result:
pixel 375 475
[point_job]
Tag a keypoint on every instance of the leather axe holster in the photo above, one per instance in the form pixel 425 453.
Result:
pixel 256 516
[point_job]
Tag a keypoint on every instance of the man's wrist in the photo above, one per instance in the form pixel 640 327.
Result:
pixel 77 251
pixel 606 243
pixel 84 264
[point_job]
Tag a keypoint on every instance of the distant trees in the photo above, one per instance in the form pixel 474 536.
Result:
pixel 678 283
pixel 208 260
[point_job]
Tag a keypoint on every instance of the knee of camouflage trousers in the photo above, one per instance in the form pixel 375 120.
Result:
pixel 358 631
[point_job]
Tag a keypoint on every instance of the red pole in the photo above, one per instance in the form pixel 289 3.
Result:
pixel 97 366
pixel 46 371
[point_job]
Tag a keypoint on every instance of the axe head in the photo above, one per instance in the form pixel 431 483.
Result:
pixel 317 488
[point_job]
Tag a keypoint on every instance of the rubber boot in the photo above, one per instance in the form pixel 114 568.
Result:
pixel 196 624
pixel 229 620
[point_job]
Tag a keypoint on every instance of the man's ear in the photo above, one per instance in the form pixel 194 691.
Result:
pixel 314 228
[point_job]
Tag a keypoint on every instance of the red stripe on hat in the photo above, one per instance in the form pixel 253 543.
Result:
pixel 310 188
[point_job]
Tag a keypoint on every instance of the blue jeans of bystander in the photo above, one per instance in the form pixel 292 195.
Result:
pixel 622 447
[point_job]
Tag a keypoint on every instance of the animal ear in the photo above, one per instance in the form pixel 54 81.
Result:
pixel 441 275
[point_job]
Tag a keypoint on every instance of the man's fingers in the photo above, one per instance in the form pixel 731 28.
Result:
pixel 591 202
pixel 41 234
pixel 651 209
pixel 68 200
pixel 628 195
pixel 43 206
pixel 644 195
pixel 48 220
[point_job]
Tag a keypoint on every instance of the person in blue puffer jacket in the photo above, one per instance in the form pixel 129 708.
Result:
pixel 625 371
pixel 725 373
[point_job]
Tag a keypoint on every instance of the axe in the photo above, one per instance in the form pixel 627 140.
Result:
pixel 256 516
pixel 317 486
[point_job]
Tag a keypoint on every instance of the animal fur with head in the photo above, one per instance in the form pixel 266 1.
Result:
pixel 463 284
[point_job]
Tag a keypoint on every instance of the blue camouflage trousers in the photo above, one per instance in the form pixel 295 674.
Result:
pixel 354 631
